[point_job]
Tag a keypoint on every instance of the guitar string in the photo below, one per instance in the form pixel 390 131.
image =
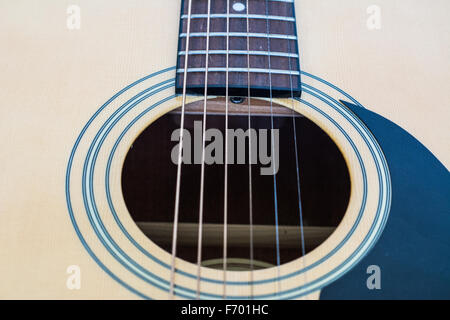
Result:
pixel 225 204
pixel 176 214
pixel 250 207
pixel 202 175
pixel 273 147
pixel 294 126
pixel 179 164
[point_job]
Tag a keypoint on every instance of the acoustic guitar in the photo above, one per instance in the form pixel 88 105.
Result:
pixel 225 149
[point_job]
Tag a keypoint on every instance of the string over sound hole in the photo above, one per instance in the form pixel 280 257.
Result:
pixel 256 242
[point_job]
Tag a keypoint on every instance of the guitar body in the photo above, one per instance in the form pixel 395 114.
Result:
pixel 75 101
pixel 412 231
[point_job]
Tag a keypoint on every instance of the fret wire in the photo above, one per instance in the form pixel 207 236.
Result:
pixel 241 52
pixel 241 34
pixel 178 183
pixel 252 70
pixel 240 16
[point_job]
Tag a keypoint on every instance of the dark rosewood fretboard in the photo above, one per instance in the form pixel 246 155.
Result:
pixel 270 45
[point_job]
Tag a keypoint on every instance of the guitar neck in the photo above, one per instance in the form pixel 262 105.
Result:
pixel 252 43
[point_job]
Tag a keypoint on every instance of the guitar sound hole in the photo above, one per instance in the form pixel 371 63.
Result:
pixel 149 182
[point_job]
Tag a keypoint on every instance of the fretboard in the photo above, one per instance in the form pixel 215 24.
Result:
pixel 262 50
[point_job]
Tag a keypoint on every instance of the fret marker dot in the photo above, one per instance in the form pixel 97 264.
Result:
pixel 238 7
